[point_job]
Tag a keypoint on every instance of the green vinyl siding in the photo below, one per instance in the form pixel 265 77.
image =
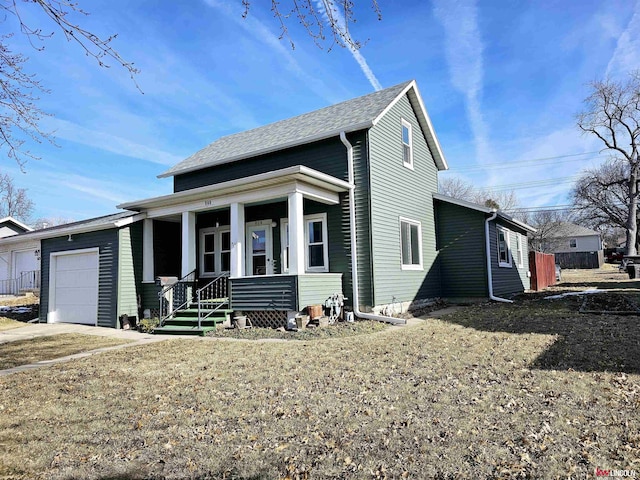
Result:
pixel 108 243
pixel 316 288
pixel 276 292
pixel 328 156
pixel 508 280
pixel 149 296
pixel 462 251
pixel 127 284
pixel 397 191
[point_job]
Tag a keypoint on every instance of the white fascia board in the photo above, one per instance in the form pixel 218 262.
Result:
pixel 255 182
pixel 423 118
pixel 16 222
pixel 123 222
pixel 523 225
pixel 264 151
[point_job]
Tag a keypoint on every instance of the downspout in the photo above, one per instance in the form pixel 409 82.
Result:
pixel 354 255
pixel 488 246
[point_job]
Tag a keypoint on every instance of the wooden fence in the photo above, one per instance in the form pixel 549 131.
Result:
pixel 580 259
pixel 543 270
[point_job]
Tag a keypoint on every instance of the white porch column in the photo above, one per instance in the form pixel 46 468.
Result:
pixel 188 242
pixel 147 250
pixel 296 234
pixel 237 240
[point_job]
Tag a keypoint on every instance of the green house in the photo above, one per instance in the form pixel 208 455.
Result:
pixel 340 201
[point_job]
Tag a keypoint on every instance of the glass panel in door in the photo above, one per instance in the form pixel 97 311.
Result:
pixel 259 250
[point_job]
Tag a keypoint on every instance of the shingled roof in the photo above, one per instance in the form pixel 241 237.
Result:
pixel 566 229
pixel 356 114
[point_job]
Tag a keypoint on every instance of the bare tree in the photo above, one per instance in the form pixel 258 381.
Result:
pixel 19 90
pixel 612 114
pixel 547 224
pixel 14 201
pixel 457 188
pixel 318 16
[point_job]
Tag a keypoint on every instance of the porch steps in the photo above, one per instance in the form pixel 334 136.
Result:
pixel 186 322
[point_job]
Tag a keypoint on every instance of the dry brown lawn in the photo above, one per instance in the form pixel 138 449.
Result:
pixel 9 323
pixel 528 390
pixel 25 352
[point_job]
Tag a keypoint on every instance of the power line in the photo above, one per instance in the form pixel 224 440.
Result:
pixel 535 161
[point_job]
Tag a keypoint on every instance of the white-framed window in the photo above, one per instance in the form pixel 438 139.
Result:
pixel 407 144
pixel 215 251
pixel 316 244
pixel 573 243
pixel 519 251
pixel 410 244
pixel 504 252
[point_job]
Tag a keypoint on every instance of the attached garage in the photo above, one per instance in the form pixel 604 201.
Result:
pixel 73 286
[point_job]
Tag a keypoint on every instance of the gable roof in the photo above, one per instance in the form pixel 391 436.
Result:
pixel 483 209
pixel 352 115
pixel 119 219
pixel 567 229
pixel 16 223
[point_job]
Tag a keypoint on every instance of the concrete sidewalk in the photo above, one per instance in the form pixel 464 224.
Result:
pixel 35 330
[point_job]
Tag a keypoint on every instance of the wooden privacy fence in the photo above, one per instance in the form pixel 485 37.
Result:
pixel 580 259
pixel 543 270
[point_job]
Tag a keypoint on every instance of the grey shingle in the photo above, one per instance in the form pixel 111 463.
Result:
pixel 313 125
pixel 566 229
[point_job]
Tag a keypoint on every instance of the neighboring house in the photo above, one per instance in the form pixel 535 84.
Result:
pixel 19 258
pixel 267 222
pixel 575 246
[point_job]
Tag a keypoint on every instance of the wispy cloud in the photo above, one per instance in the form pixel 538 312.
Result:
pixel 263 34
pixel 626 56
pixel 322 6
pixel 109 143
pixel 463 47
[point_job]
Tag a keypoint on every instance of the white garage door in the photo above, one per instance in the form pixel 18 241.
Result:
pixel 73 293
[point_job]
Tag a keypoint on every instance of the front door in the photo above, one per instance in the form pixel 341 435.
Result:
pixel 259 248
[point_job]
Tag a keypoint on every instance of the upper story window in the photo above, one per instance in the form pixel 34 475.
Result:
pixel 411 244
pixel 504 254
pixel 407 144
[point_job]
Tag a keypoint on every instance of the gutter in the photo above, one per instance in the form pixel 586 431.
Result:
pixel 354 256
pixel 488 247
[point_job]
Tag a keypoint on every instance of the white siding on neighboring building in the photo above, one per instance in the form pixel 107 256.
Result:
pixel 589 243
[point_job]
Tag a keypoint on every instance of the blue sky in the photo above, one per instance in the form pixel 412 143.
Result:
pixel 501 80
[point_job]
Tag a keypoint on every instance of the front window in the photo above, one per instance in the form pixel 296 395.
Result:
pixel 407 144
pixel 411 244
pixel 215 251
pixel 316 245
pixel 504 255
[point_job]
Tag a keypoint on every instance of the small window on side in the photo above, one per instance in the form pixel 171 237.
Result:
pixel 573 243
pixel 407 144
pixel 504 254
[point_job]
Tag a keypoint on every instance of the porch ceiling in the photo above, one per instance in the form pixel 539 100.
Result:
pixel 311 183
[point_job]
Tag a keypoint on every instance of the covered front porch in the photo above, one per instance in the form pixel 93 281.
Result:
pixel 277 237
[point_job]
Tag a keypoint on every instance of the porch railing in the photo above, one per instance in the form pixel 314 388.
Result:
pixel 29 280
pixel 214 294
pixel 175 297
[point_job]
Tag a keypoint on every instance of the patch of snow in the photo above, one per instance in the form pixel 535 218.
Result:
pixel 573 294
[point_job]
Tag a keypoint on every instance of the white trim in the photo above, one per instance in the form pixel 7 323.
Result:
pixel 53 259
pixel 411 90
pixel 417 223
pixel 405 124
pixel 283 245
pixel 188 228
pixel 321 217
pixel 147 251
pixel 236 213
pixel 507 241
pixel 217 251
pixel 16 222
pixel 295 221
pixel 274 177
